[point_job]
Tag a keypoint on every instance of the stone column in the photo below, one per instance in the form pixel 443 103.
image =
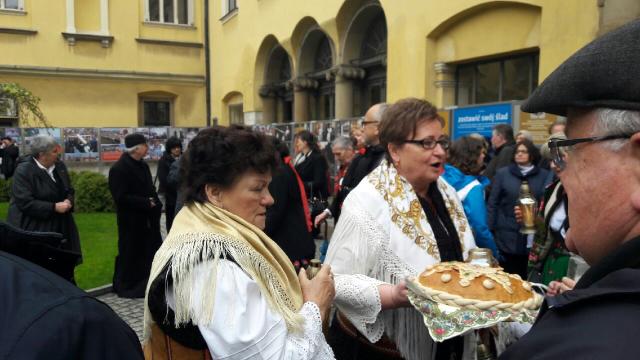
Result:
pixel 301 87
pixel 300 105
pixel 445 84
pixel 344 78
pixel 268 104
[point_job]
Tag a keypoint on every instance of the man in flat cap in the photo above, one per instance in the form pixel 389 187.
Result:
pixel 598 90
pixel 138 210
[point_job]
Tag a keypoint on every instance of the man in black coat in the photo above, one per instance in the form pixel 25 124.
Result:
pixel 42 195
pixel 503 148
pixel 599 162
pixel 138 211
pixel 10 153
pixel 362 164
pixel 42 316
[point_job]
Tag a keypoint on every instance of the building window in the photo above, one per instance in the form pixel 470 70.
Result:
pixel 12 4
pixel 229 7
pixel 8 108
pixel 505 79
pixel 156 112
pixel 236 114
pixel 170 11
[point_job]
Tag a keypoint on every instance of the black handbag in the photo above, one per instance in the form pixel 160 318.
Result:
pixel 316 204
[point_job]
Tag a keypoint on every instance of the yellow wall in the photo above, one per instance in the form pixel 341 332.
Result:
pixel 420 33
pixel 107 103
pixel 71 99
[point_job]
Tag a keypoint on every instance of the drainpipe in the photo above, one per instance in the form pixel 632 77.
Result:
pixel 207 65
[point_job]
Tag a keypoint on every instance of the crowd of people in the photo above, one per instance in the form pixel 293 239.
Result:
pixel 229 281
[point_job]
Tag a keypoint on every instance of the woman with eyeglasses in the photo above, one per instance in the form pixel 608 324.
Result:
pixel 399 219
pixel 514 246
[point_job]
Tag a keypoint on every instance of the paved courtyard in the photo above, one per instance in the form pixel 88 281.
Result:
pixel 130 310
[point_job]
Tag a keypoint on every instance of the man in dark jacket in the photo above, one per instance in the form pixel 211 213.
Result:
pixel 44 317
pixel 172 152
pixel 503 148
pixel 599 165
pixel 138 211
pixel 362 164
pixel 10 153
pixel 42 195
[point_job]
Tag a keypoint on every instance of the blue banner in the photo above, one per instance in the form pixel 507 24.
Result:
pixel 480 119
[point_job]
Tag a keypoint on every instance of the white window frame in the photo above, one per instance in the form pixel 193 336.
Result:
pixel 20 6
pixel 190 10
pixel 226 10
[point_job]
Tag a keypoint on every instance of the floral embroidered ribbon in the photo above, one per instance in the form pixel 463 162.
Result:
pixel 407 213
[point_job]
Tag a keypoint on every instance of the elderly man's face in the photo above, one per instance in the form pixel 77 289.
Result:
pixel 343 155
pixel 599 183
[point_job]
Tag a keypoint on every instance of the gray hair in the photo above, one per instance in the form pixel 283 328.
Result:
pixel 616 122
pixel 382 107
pixel 526 133
pixel 132 149
pixel 342 142
pixel 42 144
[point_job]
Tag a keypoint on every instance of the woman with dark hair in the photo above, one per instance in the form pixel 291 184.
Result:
pixel 218 283
pixel 311 166
pixel 399 219
pixel 172 152
pixel 288 219
pixel 514 246
pixel 466 160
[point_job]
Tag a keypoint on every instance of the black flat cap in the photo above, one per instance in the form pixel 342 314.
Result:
pixel 604 73
pixel 132 140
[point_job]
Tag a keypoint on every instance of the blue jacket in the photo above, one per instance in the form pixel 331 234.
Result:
pixel 503 198
pixel 473 204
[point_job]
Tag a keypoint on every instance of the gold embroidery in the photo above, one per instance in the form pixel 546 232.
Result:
pixel 407 213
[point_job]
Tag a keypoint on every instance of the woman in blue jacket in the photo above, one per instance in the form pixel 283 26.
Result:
pixel 514 246
pixel 466 160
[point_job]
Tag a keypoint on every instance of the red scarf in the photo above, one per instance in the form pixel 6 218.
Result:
pixel 303 194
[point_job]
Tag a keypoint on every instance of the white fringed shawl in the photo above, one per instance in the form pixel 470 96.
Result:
pixel 383 237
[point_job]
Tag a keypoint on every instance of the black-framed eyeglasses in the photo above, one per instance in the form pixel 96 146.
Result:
pixel 429 144
pixel 559 148
pixel 364 123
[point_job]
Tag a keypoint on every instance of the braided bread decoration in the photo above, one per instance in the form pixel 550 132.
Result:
pixel 476 287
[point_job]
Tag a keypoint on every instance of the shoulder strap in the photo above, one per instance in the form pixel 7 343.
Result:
pixel 462 193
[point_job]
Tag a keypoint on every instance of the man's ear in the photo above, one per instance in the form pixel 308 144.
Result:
pixel 214 194
pixel 634 142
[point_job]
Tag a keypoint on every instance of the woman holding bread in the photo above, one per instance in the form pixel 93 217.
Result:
pixel 401 218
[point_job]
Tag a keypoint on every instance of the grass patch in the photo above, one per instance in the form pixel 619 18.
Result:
pixel 99 242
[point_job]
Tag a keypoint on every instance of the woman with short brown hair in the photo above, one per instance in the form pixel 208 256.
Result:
pixel 397 221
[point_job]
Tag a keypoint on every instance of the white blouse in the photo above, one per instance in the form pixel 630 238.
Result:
pixel 244 327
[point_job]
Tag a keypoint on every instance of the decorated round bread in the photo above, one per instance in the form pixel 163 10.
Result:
pixel 475 282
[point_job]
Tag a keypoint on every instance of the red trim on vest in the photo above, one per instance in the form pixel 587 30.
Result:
pixel 303 194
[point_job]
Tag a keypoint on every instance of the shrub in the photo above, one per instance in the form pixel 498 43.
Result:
pixel 5 190
pixel 92 192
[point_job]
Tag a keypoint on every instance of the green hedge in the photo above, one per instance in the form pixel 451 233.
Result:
pixel 5 190
pixel 92 192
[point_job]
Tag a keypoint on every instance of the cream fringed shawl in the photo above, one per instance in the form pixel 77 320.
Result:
pixel 206 232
